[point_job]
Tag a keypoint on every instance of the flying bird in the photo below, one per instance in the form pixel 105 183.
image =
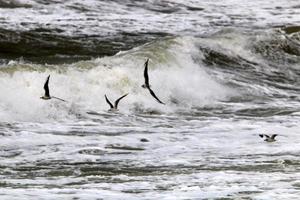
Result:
pixel 115 106
pixel 146 85
pixel 47 93
pixel 268 138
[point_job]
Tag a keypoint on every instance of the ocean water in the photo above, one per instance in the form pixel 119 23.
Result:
pixel 227 71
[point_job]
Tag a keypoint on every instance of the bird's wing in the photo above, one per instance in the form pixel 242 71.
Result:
pixel 152 93
pixel 117 101
pixel 262 135
pixel 146 73
pixel 110 104
pixel 46 87
pixel 273 136
pixel 59 99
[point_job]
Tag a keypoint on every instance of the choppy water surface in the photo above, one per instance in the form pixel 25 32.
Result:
pixel 227 72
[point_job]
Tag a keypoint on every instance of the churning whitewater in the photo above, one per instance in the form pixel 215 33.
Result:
pixel 224 85
pixel 85 83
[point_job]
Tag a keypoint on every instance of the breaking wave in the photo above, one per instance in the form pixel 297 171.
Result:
pixel 185 72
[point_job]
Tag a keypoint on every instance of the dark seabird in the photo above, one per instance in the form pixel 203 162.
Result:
pixel 47 93
pixel 268 138
pixel 146 84
pixel 115 106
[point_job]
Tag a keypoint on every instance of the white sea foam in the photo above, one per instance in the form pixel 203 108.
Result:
pixel 218 154
pixel 174 77
pixel 203 144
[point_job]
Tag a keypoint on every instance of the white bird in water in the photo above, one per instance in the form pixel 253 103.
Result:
pixel 115 106
pixel 268 138
pixel 147 85
pixel 47 93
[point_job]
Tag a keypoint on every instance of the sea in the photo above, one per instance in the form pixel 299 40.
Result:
pixel 227 71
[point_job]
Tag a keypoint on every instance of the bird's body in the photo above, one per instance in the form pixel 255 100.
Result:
pixel 47 92
pixel 268 138
pixel 45 98
pixel 146 85
pixel 114 108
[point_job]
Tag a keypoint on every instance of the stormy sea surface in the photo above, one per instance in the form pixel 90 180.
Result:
pixel 226 70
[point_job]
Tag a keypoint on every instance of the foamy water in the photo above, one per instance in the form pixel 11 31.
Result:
pixel 222 87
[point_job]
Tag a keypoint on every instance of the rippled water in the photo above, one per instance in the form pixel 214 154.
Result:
pixel 226 70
